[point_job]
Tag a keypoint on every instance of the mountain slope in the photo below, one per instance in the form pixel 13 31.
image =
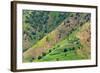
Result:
pixel 43 46
pixel 37 24
pixel 73 47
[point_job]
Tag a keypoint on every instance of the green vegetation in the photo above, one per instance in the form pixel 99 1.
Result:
pixel 55 36
pixel 36 24
pixel 65 49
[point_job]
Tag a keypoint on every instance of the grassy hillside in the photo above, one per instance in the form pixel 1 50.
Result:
pixel 62 41
pixel 71 47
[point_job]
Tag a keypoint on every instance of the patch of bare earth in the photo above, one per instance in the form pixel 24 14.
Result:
pixel 85 38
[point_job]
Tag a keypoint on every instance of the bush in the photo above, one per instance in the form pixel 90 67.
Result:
pixel 58 45
pixel 81 23
pixel 43 54
pixel 79 47
pixel 76 18
pixel 33 33
pixel 33 58
pixel 54 48
pixel 65 54
pixel 49 51
pixel 65 50
pixel 39 57
pixel 57 59
pixel 73 48
pixel 68 21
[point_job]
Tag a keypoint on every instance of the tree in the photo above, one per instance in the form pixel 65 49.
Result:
pixel 39 57
pixel 33 58
pixel 65 50
pixel 49 51
pixel 81 23
pixel 43 54
pixel 33 33
pixel 73 48
pixel 76 18
pixel 68 21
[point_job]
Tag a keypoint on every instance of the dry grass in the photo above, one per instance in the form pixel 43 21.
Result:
pixel 85 38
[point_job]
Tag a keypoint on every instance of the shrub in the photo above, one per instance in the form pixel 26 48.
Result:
pixel 43 54
pixel 81 23
pixel 33 58
pixel 76 17
pixel 65 54
pixel 57 59
pixel 79 47
pixel 39 57
pixel 65 50
pixel 49 51
pixel 33 33
pixel 68 21
pixel 45 31
pixel 73 48
pixel 58 45
pixel 54 48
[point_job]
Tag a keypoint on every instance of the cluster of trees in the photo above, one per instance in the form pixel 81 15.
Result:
pixel 74 44
pixel 40 56
pixel 36 24
pixel 73 21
